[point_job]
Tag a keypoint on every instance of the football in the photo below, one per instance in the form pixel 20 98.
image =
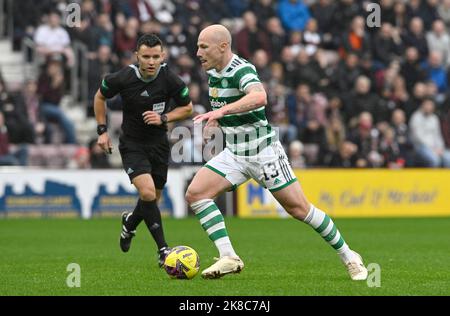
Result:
pixel 182 262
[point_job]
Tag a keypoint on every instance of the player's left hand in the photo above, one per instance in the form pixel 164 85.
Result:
pixel 209 117
pixel 152 118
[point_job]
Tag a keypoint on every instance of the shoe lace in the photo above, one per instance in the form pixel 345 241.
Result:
pixel 354 267
pixel 126 233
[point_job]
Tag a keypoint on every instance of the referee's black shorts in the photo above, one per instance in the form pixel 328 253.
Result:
pixel 140 158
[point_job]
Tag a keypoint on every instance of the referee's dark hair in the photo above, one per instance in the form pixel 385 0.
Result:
pixel 150 40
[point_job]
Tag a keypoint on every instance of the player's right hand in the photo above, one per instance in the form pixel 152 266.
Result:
pixel 105 143
pixel 209 129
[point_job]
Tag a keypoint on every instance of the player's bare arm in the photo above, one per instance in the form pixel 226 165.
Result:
pixel 179 113
pixel 100 115
pixel 255 97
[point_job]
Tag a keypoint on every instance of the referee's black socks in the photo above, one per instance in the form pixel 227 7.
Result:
pixel 135 218
pixel 152 217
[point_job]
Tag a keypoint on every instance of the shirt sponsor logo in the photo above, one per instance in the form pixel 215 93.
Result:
pixel 217 104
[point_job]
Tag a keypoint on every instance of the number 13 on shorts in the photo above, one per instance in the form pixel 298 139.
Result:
pixel 277 175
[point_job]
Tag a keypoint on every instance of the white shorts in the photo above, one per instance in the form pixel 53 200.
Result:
pixel 270 168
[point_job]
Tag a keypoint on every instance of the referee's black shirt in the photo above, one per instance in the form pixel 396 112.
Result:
pixel 139 96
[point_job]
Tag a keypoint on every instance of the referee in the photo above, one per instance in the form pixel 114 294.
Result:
pixel 146 89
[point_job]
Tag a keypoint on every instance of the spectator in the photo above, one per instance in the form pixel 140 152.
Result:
pixel 427 136
pixel 89 11
pixel 363 100
pixel 293 14
pixel 126 37
pixel 237 7
pixel 423 9
pixel 28 101
pixel 439 40
pixel 142 9
pixel 198 97
pixel 435 71
pixel 290 68
pixel 311 111
pixel 415 37
pixel 7 158
pixel 444 13
pixel 323 11
pixel 387 45
pixel 400 18
pixel 387 11
pixel 431 92
pixel 336 135
pixel 265 10
pixel 104 31
pixel 15 117
pixel 445 121
pixel 278 114
pixel 214 10
pixel 418 96
pixel 309 72
pixel 52 39
pixel 260 60
pixel 176 40
pixel 250 38
pixel 50 90
pixel 187 70
pixel 86 37
pixel 277 74
pixel 347 72
pixel 296 108
pixel 344 14
pixel 399 95
pixel 367 68
pixel 101 65
pixel 402 137
pixel 346 157
pixel 386 79
pixel 390 150
pixel 311 37
pixel 411 69
pixel 276 38
pixel 366 137
pixel 296 158
pixel 296 42
pixel 356 40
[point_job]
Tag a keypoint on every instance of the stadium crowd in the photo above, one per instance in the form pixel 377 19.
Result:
pixel 341 93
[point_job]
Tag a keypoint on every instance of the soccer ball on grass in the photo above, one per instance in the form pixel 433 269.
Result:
pixel 182 262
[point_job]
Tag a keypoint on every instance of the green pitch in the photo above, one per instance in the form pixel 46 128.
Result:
pixel 282 257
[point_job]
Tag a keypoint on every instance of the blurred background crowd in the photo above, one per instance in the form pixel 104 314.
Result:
pixel 342 94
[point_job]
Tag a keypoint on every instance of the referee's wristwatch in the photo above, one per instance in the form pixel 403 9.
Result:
pixel 164 119
pixel 101 129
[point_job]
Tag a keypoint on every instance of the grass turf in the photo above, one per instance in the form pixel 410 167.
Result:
pixel 282 257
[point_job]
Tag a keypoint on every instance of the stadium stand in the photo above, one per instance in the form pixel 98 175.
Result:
pixel 343 94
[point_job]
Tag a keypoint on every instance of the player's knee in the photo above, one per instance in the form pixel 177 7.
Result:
pixel 298 211
pixel 192 195
pixel 147 194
